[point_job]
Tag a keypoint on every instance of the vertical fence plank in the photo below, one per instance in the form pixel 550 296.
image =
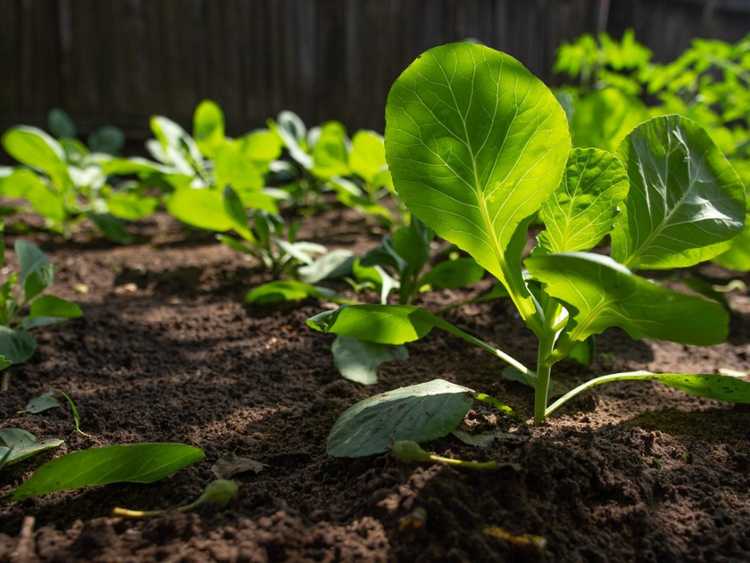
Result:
pixel 122 61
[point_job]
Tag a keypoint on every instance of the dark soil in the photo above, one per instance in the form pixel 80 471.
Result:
pixel 167 352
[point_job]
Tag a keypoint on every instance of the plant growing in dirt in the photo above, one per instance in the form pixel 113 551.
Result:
pixel 478 147
pixel 325 159
pixel 24 303
pixel 65 184
pixel 268 238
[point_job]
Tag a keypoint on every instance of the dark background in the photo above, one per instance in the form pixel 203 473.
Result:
pixel 118 62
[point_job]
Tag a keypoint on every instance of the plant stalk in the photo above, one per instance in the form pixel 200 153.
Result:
pixel 625 376
pixel 543 369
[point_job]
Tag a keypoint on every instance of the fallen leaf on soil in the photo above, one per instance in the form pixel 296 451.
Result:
pixel 228 467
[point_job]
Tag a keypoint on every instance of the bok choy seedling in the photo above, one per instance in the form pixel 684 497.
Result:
pixel 24 305
pixel 478 147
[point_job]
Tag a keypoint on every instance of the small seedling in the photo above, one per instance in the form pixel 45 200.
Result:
pixel 217 493
pixel 24 306
pixel 65 183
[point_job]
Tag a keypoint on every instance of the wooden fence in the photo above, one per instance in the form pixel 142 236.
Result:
pixel 119 61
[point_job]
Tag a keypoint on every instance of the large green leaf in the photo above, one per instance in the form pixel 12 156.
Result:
pixel 686 202
pixel 358 360
pixel 475 144
pixel 208 127
pixel 419 412
pixel 603 118
pixel 131 463
pixel 35 148
pixel 233 167
pixel 583 209
pixel 202 208
pixel 606 294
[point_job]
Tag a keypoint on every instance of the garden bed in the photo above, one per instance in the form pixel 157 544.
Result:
pixel 166 351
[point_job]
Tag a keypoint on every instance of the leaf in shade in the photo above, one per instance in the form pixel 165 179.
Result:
pixel 420 413
pixel 43 402
pixel 17 444
pixel 358 360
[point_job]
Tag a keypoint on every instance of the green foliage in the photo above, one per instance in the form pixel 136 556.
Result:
pixel 24 304
pixel 131 463
pixel 708 83
pixel 419 412
pixel 478 166
pixel 17 445
pixel 61 180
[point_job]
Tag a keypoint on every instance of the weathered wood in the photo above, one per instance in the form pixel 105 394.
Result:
pixel 121 61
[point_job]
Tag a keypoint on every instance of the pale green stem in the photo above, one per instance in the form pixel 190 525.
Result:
pixel 508 359
pixel 543 370
pixel 624 376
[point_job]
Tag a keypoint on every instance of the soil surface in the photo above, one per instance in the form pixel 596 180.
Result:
pixel 166 351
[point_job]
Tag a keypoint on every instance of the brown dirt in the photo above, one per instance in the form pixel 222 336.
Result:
pixel 167 352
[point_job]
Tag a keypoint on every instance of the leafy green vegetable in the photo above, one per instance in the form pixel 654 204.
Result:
pixel 23 305
pixel 131 463
pixel 419 412
pixel 477 146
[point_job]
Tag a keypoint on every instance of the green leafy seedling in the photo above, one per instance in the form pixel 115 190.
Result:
pixel 65 183
pixel 24 306
pixel 478 147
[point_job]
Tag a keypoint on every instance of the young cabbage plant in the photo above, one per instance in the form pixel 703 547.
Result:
pixel 24 305
pixel 267 238
pixel 65 184
pixel 325 159
pixel 478 147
